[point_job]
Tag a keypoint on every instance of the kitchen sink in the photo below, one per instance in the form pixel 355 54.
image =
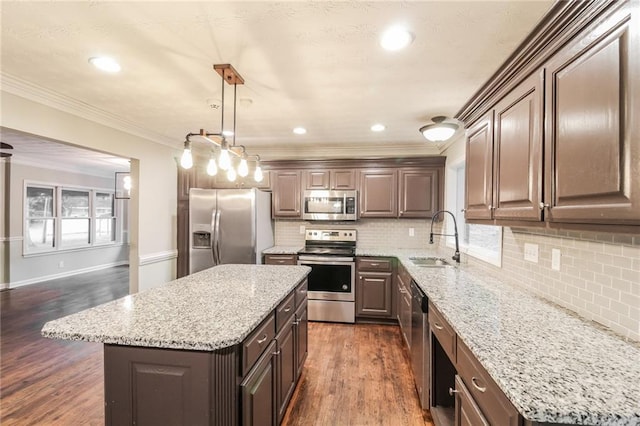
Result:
pixel 430 262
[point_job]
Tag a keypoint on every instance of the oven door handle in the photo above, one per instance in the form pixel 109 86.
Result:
pixel 326 261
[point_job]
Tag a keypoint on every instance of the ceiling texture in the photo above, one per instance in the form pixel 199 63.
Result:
pixel 314 64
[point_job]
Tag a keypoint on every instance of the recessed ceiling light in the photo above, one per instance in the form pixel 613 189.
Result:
pixel 299 130
pixel 378 127
pixel 105 63
pixel 396 38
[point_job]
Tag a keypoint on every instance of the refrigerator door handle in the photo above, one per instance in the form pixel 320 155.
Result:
pixel 217 238
pixel 214 214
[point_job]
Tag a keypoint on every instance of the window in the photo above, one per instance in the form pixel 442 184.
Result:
pixel 480 241
pixel 59 218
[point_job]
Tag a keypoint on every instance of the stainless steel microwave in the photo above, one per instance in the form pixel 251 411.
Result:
pixel 330 205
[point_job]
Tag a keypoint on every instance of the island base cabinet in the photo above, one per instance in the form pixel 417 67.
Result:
pixel 467 412
pixel 151 386
pixel 287 367
pixel 259 390
pixel 301 337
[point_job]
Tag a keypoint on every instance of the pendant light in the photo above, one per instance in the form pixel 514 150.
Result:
pixel 224 162
pixel 439 131
pixel 186 161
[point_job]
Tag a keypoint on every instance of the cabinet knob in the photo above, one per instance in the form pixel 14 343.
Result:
pixel 543 205
pixel 452 391
pixel 463 210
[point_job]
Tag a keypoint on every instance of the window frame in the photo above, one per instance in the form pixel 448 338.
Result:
pixel 457 204
pixel 58 247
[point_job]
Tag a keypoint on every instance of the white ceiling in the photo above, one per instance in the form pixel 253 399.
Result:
pixel 315 64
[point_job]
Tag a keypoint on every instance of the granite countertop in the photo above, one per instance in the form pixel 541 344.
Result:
pixel 552 365
pixel 208 310
pixel 282 250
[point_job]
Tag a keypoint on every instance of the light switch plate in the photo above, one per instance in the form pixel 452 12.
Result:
pixel 531 252
pixel 412 232
pixel 302 229
pixel 555 259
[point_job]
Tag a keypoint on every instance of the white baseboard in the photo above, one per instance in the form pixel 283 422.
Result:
pixel 65 274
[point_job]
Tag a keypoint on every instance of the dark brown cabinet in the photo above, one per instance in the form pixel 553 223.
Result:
pixel 259 390
pixel 287 367
pixel 301 334
pixel 592 133
pixel 479 169
pixel 281 259
pixel 374 288
pixel 518 152
pixel 286 193
pixel 403 305
pixel 378 193
pixel 419 192
pixel 330 179
pixel 467 412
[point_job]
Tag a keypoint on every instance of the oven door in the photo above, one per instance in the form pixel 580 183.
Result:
pixel 330 279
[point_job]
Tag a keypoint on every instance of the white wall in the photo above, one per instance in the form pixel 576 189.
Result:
pixel 153 169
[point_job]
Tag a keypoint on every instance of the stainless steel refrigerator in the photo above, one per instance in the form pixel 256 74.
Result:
pixel 228 226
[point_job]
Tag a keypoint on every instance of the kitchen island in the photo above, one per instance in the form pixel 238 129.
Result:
pixel 201 348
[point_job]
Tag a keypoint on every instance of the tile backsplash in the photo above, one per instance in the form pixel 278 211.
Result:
pixel 599 276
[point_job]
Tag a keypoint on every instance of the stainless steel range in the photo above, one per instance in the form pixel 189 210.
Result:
pixel 331 255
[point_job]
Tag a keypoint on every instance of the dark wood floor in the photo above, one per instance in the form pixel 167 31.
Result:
pixel 354 375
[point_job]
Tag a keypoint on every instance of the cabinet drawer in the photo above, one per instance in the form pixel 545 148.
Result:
pixel 257 341
pixel 492 402
pixel 375 264
pixel 280 259
pixel 285 310
pixel 301 293
pixel 443 332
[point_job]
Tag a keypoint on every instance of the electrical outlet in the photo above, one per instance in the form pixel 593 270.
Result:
pixel 61 264
pixel 531 252
pixel 302 229
pixel 555 259
pixel 412 232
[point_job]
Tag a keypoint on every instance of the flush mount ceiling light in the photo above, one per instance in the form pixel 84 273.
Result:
pixel 104 63
pixel 299 130
pixel 218 140
pixel 378 127
pixel 439 131
pixel 396 38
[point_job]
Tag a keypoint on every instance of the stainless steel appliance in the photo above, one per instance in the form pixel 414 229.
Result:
pixel 331 255
pixel 330 205
pixel 420 343
pixel 228 226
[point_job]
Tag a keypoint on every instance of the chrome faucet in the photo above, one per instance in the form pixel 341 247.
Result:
pixel 456 255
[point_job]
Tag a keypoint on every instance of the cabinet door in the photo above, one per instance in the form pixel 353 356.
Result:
pixel 378 193
pixel 286 193
pixel 316 179
pixel 259 391
pixel 302 337
pixel 419 193
pixel 287 367
pixel 592 132
pixel 373 294
pixel 281 259
pixel 518 152
pixel 343 179
pixel 467 412
pixel 479 169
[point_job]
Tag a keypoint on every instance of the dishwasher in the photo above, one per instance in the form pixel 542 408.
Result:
pixel 420 343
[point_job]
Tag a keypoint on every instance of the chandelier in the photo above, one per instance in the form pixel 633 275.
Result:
pixel 223 155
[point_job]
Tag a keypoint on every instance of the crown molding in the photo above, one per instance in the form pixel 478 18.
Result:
pixel 50 98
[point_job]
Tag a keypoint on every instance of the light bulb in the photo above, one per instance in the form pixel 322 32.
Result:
pixel 243 167
pixel 257 175
pixel 186 161
pixel 224 161
pixel 231 174
pixel 212 169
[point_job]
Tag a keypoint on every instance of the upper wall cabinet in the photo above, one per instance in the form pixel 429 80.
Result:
pixel 593 127
pixel 335 180
pixel 562 145
pixel 286 193
pixel 419 192
pixel 378 193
